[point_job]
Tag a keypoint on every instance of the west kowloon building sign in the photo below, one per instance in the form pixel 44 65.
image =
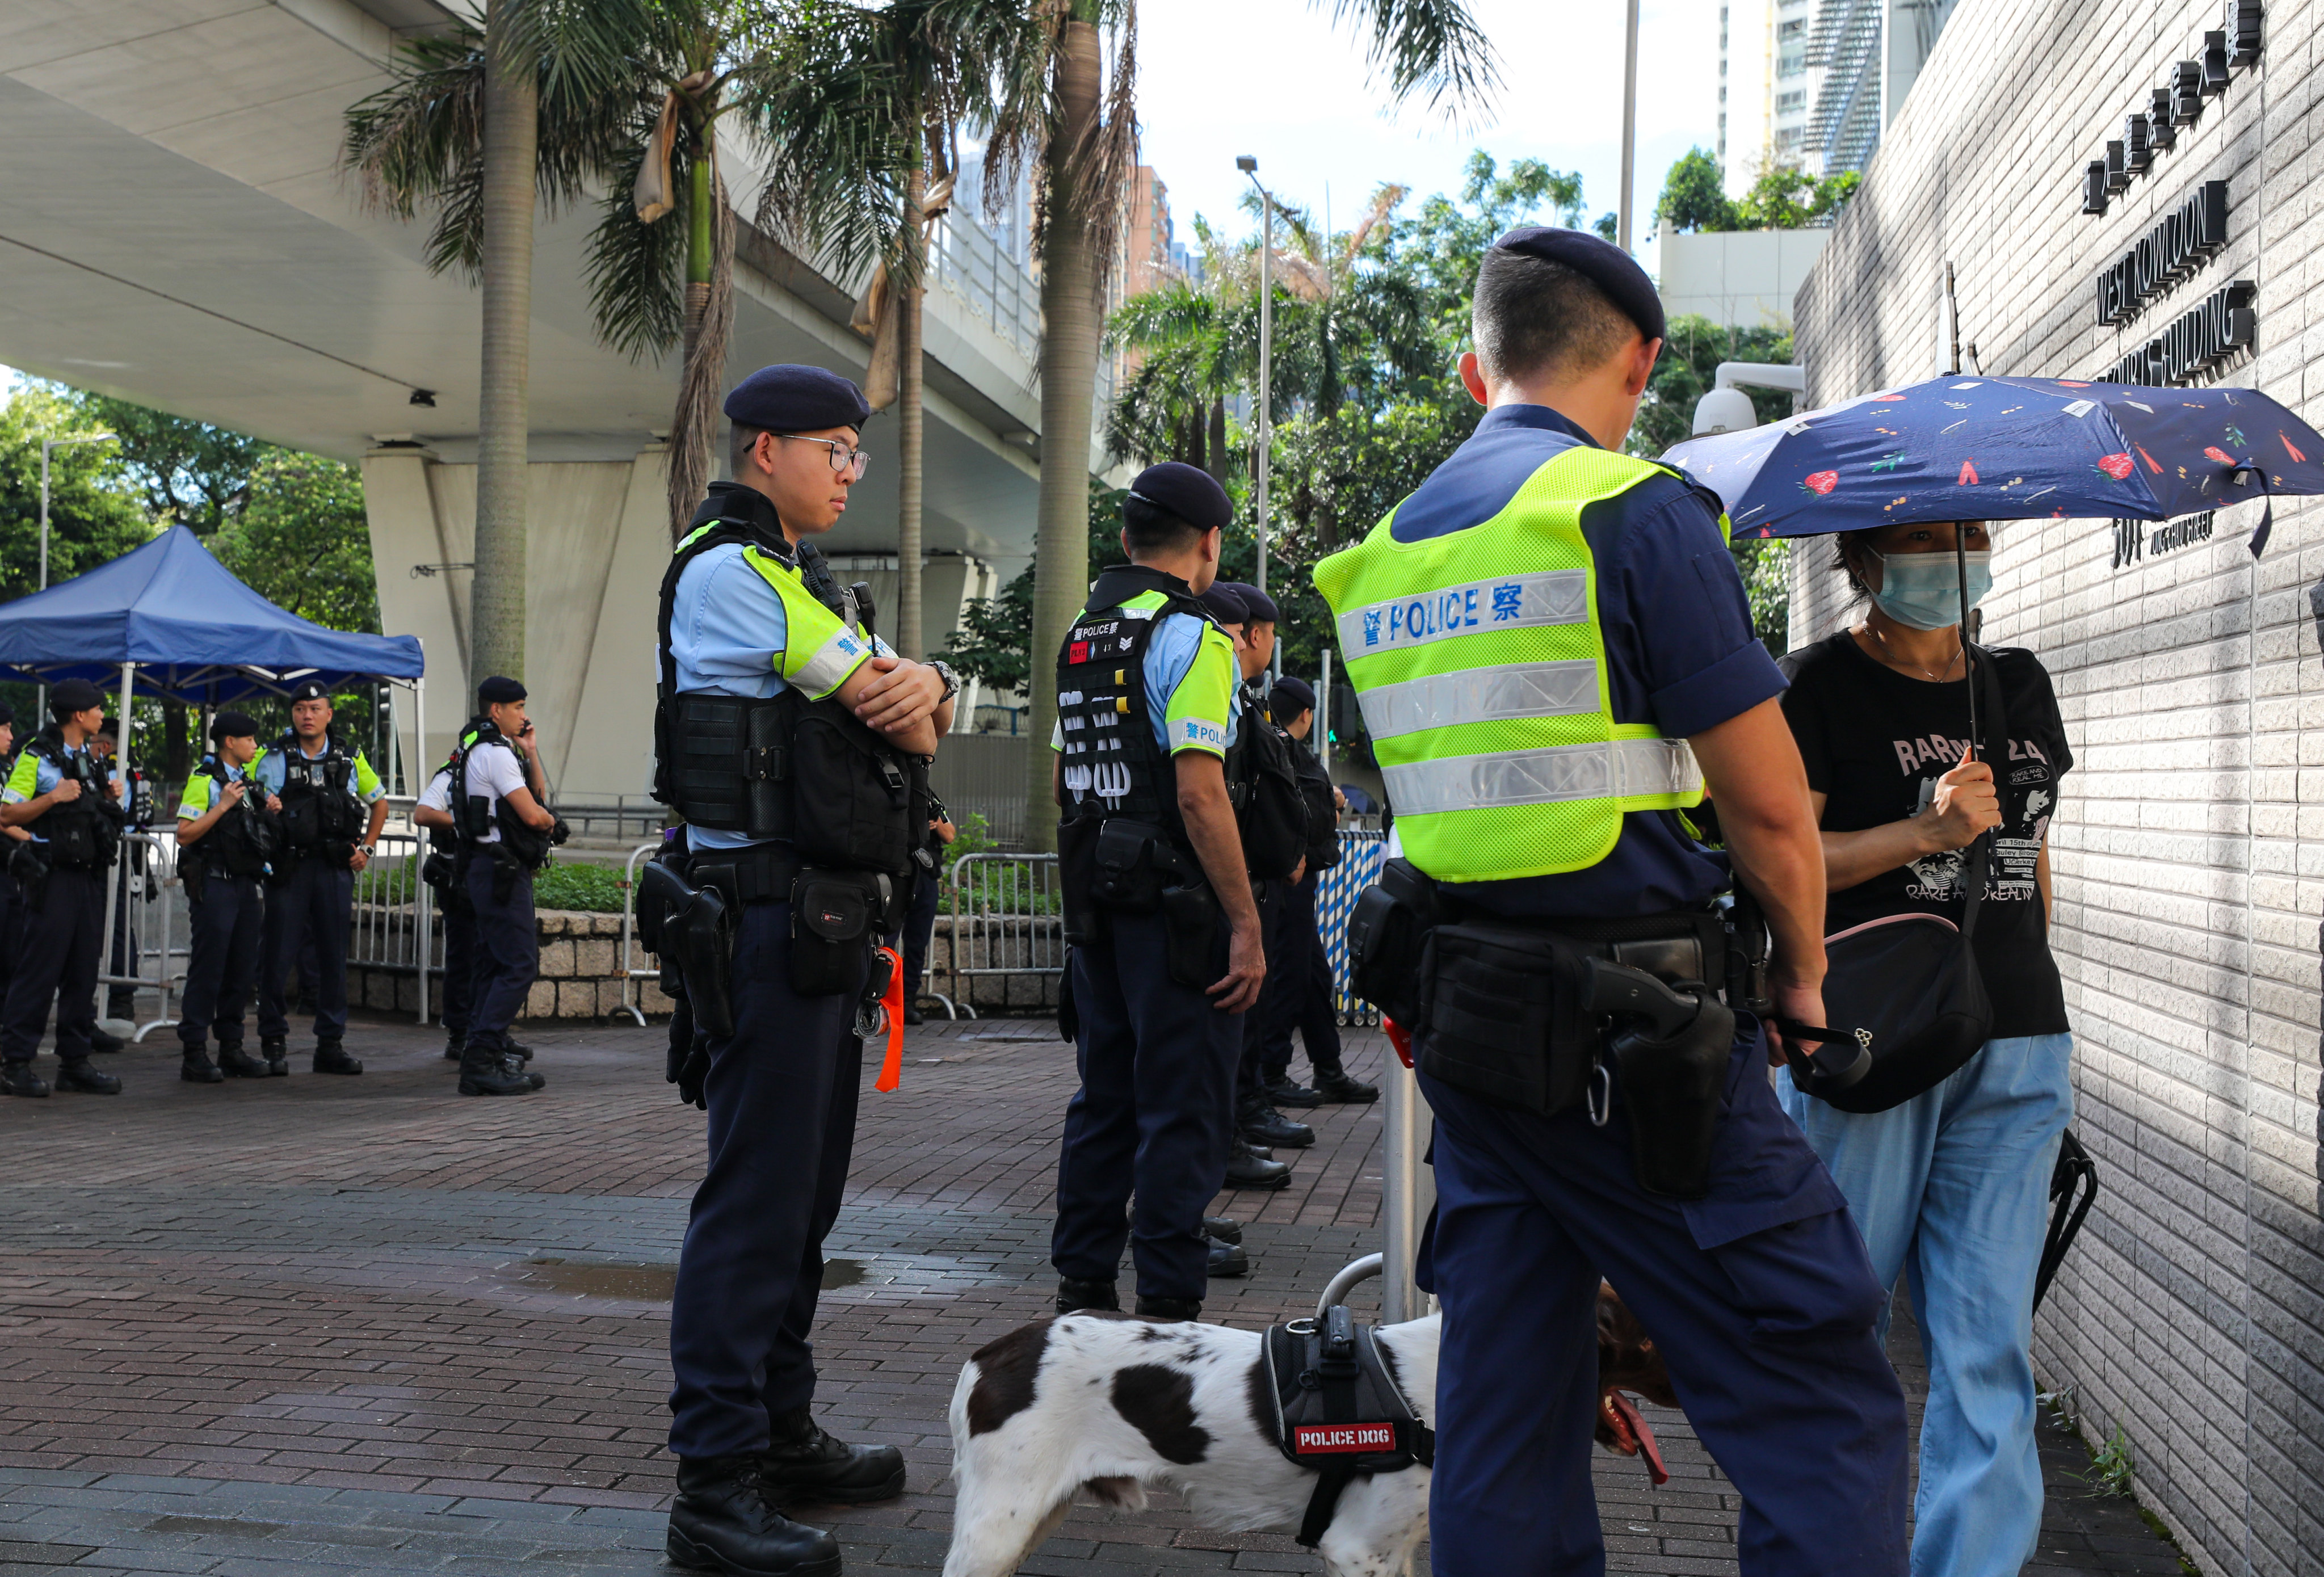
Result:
pixel 2199 339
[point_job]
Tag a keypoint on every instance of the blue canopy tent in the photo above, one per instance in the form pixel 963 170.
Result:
pixel 171 622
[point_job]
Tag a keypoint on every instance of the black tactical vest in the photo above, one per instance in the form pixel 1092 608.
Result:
pixel 320 812
pixel 783 769
pixel 243 841
pixel 1109 765
pixel 476 815
pixel 86 835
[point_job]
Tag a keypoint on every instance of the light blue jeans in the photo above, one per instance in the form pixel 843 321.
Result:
pixel 1956 1183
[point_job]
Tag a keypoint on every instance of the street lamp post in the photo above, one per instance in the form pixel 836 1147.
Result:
pixel 46 446
pixel 1629 125
pixel 1249 166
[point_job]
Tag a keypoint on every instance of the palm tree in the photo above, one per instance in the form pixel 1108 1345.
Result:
pixel 1055 103
pixel 479 125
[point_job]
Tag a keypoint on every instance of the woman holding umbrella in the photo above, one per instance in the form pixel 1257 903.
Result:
pixel 1954 1183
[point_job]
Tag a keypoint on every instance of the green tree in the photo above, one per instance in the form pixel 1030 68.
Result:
pixel 1056 106
pixel 192 473
pixel 95 512
pixel 1694 197
pixel 1786 197
pixel 300 541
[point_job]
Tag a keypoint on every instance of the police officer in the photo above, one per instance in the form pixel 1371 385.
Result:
pixel 1532 633
pixel 1167 953
pixel 228 840
pixel 441 871
pixel 59 792
pixel 13 840
pixel 320 785
pixel 505 830
pixel 1300 990
pixel 795 746
pixel 1253 630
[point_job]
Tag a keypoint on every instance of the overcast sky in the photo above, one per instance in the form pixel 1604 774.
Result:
pixel 1275 79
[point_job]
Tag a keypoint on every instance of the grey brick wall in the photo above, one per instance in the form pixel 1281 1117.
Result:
pixel 2190 846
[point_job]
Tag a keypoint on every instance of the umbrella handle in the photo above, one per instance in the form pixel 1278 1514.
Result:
pixel 1960 570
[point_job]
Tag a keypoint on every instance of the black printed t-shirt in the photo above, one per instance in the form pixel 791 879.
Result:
pixel 1876 743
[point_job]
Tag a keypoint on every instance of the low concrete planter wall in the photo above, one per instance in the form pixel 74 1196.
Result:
pixel 581 967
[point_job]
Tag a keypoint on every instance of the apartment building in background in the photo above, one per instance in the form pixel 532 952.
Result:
pixel 1812 83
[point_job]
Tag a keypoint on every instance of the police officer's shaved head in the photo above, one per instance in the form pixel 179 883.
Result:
pixel 1555 303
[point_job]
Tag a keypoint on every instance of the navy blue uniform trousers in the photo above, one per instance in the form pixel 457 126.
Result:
pixel 781 1093
pixel 1299 989
pixel 317 899
pixel 59 939
pixel 1153 1116
pixel 459 917
pixel 507 948
pixel 227 921
pixel 1760 1299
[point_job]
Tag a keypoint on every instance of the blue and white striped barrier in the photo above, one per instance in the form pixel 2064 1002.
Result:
pixel 1361 854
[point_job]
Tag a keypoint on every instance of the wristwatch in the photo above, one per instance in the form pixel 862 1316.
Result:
pixel 944 672
pixel 366 850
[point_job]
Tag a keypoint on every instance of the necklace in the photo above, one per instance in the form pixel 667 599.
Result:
pixel 1896 660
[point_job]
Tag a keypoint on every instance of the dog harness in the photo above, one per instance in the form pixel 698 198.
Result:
pixel 1338 1410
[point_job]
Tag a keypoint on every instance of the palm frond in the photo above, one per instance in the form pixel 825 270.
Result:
pixel 636 271
pixel 1431 51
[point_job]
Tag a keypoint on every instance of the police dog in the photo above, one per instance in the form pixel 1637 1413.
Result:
pixel 1108 1405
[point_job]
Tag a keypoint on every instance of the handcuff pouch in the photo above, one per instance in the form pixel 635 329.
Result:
pixel 1387 932
pixel 832 915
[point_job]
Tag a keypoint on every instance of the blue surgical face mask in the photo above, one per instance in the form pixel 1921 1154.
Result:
pixel 1923 590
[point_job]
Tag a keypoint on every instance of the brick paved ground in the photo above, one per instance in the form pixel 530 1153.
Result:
pixel 328 1326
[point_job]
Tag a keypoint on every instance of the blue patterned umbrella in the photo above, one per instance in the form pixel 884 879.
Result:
pixel 1963 447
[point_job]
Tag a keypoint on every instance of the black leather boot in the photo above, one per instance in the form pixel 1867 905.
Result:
pixel 1284 1090
pixel 1227 1259
pixel 331 1057
pixel 1073 1296
pixel 806 1465
pixel 1170 1308
pixel 1263 1124
pixel 78 1075
pixel 98 1040
pixel 17 1078
pixel 1334 1085
pixel 724 1521
pixel 1225 1228
pixel 1245 1170
pixel 195 1067
pixel 513 1066
pixel 454 1043
pixel 276 1051
pixel 483 1072
pixel 234 1063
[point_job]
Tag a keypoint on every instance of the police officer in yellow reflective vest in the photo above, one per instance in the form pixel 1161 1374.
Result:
pixel 795 745
pixel 1555 655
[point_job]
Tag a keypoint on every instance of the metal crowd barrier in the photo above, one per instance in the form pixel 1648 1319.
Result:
pixel 137 906
pixel 1007 917
pixel 630 974
pixel 395 914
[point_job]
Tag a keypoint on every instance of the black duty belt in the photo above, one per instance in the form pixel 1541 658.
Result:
pixel 756 874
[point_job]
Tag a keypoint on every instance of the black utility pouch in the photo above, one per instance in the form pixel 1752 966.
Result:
pixel 1673 1088
pixel 1077 879
pixel 1504 1015
pixel 1387 934
pixel 831 914
pixel 1128 877
pixel 851 798
pixel 1190 935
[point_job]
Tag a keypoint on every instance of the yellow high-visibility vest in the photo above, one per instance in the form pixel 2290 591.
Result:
pixel 1481 664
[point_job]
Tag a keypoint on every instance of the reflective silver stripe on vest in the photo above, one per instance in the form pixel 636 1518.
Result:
pixel 1620 770
pixel 1481 694
pixel 1506 602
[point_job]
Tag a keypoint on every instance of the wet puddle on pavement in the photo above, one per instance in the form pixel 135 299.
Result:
pixel 634 1283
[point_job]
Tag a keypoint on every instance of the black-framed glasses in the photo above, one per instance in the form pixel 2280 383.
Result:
pixel 844 462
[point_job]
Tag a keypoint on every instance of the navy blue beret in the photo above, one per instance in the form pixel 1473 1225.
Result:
pixel 8 715
pixel 67 697
pixel 311 690
pixel 1221 603
pixel 1291 687
pixel 1188 492
pixel 233 725
pixel 1599 261
pixel 500 690
pixel 788 398
pixel 1257 606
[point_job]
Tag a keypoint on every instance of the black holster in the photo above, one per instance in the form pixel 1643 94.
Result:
pixel 194 873
pixel 697 926
pixel 1190 933
pixel 1670 1054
